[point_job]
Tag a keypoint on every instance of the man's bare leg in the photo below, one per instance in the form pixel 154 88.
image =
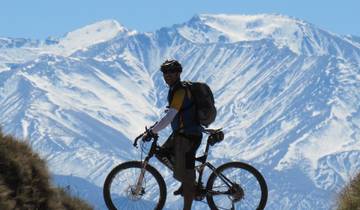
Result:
pixel 189 193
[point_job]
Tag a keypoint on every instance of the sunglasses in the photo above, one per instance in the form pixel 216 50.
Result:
pixel 169 72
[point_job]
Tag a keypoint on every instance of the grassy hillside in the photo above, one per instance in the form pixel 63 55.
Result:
pixel 25 181
pixel 349 198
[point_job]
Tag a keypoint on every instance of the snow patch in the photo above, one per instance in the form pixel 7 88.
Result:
pixel 285 31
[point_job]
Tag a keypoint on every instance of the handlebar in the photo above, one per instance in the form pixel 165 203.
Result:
pixel 155 136
pixel 137 138
pixel 148 132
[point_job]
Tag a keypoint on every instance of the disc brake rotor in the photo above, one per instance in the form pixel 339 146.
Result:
pixel 131 193
pixel 237 193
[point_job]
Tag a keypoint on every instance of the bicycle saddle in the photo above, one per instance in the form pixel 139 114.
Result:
pixel 212 130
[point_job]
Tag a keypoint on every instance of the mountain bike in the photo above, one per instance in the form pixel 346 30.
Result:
pixel 138 185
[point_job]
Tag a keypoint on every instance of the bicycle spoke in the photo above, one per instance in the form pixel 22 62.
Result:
pixel 245 193
pixel 125 184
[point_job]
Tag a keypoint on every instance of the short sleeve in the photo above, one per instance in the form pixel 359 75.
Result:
pixel 178 99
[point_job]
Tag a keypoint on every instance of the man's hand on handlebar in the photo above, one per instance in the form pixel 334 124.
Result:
pixel 148 135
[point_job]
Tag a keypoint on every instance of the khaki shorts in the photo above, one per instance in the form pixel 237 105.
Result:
pixel 183 150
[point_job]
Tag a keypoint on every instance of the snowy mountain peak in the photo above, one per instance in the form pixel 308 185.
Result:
pixel 82 98
pixel 239 19
pixel 284 30
pixel 22 50
pixel 102 29
pixel 250 27
pixel 90 35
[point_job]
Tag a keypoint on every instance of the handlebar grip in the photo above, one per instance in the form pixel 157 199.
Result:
pixel 136 139
pixel 147 131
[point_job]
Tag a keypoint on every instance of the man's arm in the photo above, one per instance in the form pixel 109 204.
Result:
pixel 175 107
pixel 165 121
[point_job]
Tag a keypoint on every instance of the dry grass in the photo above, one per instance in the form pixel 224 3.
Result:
pixel 25 181
pixel 349 198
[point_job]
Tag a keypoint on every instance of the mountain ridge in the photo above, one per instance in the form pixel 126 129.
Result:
pixel 278 105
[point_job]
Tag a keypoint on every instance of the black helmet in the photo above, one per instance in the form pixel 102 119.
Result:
pixel 171 66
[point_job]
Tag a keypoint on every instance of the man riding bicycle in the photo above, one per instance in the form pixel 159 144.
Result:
pixel 186 133
pixel 134 184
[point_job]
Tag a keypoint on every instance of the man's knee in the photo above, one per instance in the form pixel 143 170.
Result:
pixel 165 157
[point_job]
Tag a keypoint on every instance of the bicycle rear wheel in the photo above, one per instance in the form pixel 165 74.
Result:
pixel 248 190
pixel 121 190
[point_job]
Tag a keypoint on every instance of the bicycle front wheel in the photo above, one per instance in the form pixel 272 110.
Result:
pixel 236 185
pixel 126 188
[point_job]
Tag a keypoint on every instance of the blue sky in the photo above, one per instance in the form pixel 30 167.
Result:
pixel 42 18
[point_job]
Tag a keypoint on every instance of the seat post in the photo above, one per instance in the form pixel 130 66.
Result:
pixel 207 147
pixel 203 158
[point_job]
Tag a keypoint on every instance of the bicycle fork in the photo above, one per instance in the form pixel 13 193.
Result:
pixel 139 182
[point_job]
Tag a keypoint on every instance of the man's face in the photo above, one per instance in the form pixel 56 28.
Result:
pixel 171 77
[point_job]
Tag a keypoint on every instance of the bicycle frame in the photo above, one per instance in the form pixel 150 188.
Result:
pixel 204 163
pixel 203 159
pixel 218 182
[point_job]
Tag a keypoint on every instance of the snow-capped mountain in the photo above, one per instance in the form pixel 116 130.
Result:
pixel 286 91
pixel 23 50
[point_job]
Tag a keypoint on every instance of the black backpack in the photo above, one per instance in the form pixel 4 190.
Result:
pixel 203 99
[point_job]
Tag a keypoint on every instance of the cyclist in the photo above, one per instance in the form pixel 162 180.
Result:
pixel 186 133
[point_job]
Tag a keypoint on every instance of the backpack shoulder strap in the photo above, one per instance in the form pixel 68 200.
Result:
pixel 187 86
pixel 172 92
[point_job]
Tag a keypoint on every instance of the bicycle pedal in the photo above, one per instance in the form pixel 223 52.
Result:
pixel 179 191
